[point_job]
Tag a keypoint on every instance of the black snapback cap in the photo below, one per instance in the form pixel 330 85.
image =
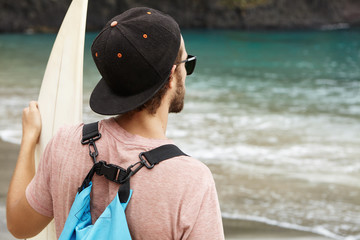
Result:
pixel 134 54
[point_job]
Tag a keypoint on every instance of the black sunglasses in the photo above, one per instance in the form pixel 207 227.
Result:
pixel 190 63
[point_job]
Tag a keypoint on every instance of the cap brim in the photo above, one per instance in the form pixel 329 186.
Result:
pixel 106 102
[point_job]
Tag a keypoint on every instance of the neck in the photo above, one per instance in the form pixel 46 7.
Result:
pixel 144 124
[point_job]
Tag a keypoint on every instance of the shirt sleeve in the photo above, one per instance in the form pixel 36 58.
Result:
pixel 206 217
pixel 38 192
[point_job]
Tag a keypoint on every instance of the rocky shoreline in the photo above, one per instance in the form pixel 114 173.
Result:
pixel 46 15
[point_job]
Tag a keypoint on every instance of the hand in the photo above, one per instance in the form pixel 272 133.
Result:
pixel 31 123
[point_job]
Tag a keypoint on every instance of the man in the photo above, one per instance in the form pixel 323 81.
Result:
pixel 142 58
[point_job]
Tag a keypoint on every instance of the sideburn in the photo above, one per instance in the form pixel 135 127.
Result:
pixel 177 102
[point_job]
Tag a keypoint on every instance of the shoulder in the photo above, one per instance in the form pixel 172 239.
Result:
pixel 65 136
pixel 70 132
pixel 189 162
pixel 190 171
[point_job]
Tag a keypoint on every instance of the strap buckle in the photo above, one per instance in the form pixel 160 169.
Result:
pixel 92 139
pixel 90 135
pixel 144 162
pixel 112 172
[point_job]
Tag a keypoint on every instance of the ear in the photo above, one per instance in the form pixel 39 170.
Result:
pixel 172 82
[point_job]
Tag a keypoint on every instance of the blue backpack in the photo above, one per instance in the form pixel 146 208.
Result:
pixel 112 223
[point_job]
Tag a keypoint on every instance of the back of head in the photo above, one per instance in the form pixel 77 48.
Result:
pixel 134 54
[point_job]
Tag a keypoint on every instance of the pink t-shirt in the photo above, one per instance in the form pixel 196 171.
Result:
pixel 176 199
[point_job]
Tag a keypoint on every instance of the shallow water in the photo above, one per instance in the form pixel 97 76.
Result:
pixel 275 115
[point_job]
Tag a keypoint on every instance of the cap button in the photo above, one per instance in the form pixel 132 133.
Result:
pixel 114 23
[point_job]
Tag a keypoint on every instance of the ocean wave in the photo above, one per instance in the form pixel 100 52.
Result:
pixel 11 136
pixel 320 230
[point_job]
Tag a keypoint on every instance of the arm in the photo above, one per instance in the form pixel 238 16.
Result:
pixel 22 220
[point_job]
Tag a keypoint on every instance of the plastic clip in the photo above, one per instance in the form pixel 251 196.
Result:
pixel 110 171
pixel 95 153
pixel 129 169
pixel 91 139
pixel 143 161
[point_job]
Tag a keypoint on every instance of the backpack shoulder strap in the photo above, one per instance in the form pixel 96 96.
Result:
pixel 117 174
pixel 153 157
pixel 160 154
pixel 90 133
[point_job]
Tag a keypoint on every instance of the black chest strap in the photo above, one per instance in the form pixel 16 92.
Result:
pixel 116 173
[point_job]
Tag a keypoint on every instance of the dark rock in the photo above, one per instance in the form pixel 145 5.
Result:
pixel 47 15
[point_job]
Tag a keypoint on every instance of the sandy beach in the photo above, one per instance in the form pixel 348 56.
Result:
pixel 7 161
pixel 234 229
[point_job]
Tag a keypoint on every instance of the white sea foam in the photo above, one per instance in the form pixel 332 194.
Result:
pixel 315 229
pixel 12 136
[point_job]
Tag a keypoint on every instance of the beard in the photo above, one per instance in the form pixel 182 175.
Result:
pixel 177 102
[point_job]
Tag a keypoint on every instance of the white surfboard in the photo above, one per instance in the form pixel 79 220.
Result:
pixel 60 99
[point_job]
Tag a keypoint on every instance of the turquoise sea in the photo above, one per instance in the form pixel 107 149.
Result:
pixel 275 115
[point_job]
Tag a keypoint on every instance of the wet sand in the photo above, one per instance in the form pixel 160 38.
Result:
pixel 241 229
pixel 234 229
